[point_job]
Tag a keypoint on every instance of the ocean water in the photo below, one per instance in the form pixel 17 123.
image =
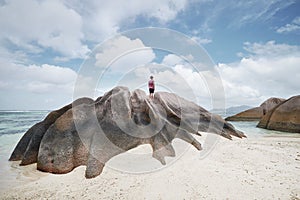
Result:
pixel 250 129
pixel 13 124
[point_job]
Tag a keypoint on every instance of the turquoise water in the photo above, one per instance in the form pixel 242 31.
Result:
pixel 250 129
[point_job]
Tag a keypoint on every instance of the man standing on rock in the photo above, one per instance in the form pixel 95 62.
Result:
pixel 151 87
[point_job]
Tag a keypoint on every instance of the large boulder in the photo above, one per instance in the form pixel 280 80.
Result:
pixel 27 149
pixel 91 132
pixel 283 117
pixel 255 114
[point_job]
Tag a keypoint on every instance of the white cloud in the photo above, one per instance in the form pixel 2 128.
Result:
pixel 177 76
pixel 200 40
pixel 50 74
pixel 293 26
pixel 102 19
pixel 125 53
pixel 85 86
pixel 38 79
pixel 195 80
pixel 65 26
pixel 172 60
pixel 271 70
pixel 22 84
pixel 180 80
pixel 36 25
pixel 110 63
pixel 271 49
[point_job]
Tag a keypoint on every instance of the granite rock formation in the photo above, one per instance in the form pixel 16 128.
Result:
pixel 90 132
pixel 283 117
pixel 255 114
pixel 28 147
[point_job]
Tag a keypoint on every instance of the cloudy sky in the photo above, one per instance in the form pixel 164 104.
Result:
pixel 46 44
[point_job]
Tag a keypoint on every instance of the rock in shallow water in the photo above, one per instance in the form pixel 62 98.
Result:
pixel 90 132
pixel 283 117
pixel 255 114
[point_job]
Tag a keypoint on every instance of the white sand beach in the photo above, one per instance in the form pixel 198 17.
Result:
pixel 253 168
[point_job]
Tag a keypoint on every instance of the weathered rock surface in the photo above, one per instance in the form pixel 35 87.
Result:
pixel 27 149
pixel 255 114
pixel 91 132
pixel 283 117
